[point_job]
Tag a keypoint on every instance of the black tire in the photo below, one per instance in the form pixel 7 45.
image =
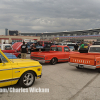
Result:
pixel 53 61
pixel 27 79
pixel 78 67
pixel 19 56
pixel 98 69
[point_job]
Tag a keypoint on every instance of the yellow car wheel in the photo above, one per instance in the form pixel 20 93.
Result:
pixel 27 79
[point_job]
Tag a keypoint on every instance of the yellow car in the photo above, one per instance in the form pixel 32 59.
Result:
pixel 86 45
pixel 22 71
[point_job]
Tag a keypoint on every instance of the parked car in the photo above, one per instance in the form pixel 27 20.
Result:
pixel 7 48
pixel 96 43
pixel 42 43
pixel 71 44
pixel 62 44
pixel 17 46
pixel 21 71
pixel 57 53
pixel 89 60
pixel 86 45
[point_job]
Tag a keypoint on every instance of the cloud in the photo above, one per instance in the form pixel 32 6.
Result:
pixel 49 15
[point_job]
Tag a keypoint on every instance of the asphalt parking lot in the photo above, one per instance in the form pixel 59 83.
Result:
pixel 65 82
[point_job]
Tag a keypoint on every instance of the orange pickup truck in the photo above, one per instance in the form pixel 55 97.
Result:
pixel 57 53
pixel 89 60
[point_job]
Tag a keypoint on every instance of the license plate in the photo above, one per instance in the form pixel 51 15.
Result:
pixel 81 66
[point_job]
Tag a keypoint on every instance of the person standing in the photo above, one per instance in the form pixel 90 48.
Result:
pixel 24 50
pixel 33 48
pixel 76 47
pixel 89 44
pixel 82 45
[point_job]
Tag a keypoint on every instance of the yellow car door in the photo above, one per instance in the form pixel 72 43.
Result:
pixel 5 71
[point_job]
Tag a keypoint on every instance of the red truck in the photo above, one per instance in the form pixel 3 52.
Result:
pixel 43 42
pixel 89 60
pixel 57 53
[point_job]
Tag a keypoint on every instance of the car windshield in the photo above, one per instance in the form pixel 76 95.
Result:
pixel 8 47
pixel 56 49
pixel 71 47
pixel 94 49
pixel 2 58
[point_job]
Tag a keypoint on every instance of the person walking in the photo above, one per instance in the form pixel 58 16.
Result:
pixel 24 50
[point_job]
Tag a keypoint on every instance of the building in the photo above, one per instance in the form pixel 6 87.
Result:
pixel 11 32
pixel 72 35
pixel 14 36
pixel 9 39
pixel 6 31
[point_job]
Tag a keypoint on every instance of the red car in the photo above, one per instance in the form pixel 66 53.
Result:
pixel 15 50
pixel 57 53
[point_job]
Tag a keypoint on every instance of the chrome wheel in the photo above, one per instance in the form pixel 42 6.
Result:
pixel 28 79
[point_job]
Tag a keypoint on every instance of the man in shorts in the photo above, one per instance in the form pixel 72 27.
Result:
pixel 24 50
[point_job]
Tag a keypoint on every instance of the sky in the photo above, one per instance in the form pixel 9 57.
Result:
pixel 38 16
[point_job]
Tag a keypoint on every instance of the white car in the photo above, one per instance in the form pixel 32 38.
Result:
pixel 5 46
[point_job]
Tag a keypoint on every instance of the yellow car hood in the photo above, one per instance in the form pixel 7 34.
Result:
pixel 25 61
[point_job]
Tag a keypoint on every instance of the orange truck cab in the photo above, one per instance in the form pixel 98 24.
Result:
pixel 57 53
pixel 43 42
pixel 89 60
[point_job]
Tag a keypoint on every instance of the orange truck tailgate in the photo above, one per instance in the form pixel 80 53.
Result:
pixel 82 59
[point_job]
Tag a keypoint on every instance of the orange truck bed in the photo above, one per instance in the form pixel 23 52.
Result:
pixel 85 60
